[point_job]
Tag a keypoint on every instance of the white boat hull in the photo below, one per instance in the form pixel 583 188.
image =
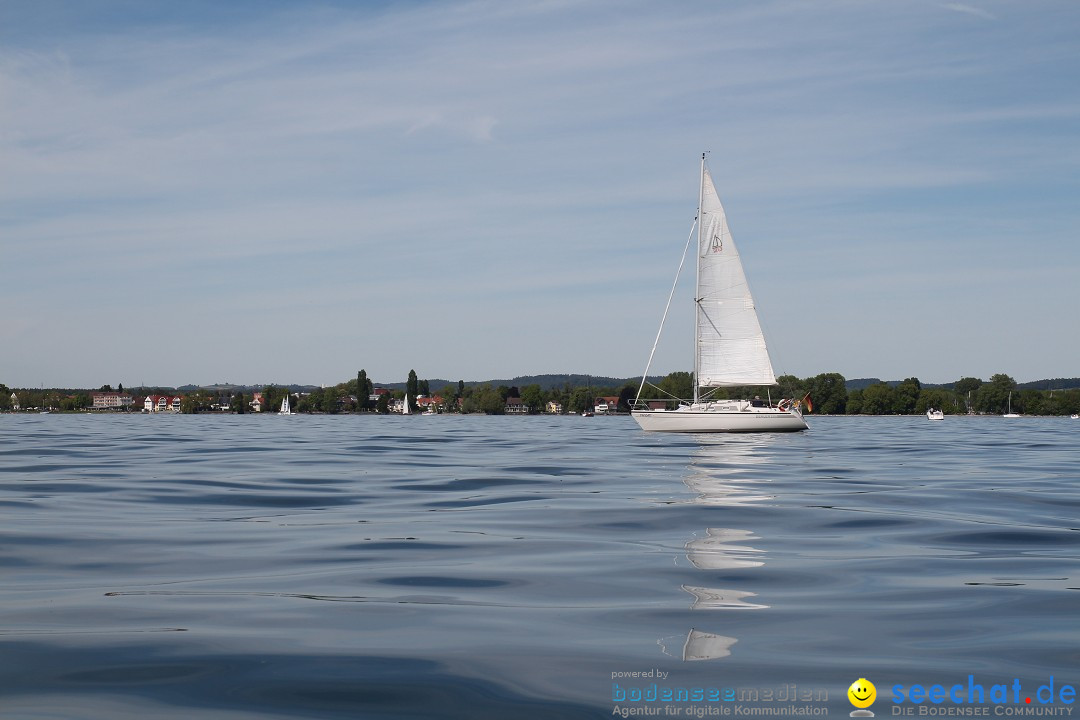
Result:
pixel 703 419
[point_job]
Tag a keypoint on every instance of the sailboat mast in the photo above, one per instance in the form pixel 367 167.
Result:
pixel 697 284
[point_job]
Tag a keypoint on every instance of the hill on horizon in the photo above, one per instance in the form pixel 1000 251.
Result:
pixel 1046 384
pixel 546 382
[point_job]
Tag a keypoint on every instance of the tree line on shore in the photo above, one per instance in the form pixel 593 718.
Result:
pixel 828 392
pixel 829 395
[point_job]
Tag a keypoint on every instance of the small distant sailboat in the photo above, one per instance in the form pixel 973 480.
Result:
pixel 405 408
pixel 1010 414
pixel 933 414
pixel 729 345
pixel 286 409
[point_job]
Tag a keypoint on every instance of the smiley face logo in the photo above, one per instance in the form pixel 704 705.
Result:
pixel 862 693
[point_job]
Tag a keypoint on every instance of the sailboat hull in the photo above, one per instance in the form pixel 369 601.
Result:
pixel 706 420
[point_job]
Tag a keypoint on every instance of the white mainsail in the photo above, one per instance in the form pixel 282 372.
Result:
pixel 730 345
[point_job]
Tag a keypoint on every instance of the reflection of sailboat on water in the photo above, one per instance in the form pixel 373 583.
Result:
pixel 706 646
pixel 698 645
pixel 717 599
pixel 717 551
pixel 729 470
pixel 720 472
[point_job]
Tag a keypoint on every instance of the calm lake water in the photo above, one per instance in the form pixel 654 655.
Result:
pixel 470 567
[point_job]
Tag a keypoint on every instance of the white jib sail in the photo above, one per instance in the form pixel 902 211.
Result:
pixel 730 345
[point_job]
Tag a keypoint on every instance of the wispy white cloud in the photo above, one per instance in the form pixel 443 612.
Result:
pixel 970 10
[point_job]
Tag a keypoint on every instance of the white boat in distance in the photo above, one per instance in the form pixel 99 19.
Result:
pixel 730 347
pixel 933 414
pixel 1010 414
pixel 285 408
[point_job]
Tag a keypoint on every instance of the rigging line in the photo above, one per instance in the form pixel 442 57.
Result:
pixel 662 390
pixel 666 308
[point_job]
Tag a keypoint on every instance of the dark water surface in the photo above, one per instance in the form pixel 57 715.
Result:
pixel 472 567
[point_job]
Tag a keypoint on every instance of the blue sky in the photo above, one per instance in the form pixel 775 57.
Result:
pixel 291 191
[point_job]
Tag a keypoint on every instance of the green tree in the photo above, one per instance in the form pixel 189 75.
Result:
pixel 966 388
pixel 678 385
pixel 364 389
pixel 195 402
pixel 272 397
pixel 939 399
pixel 967 384
pixel 581 399
pixel 854 402
pixel 239 404
pixel 993 396
pixel 1070 402
pixel 411 389
pixel 877 399
pixel 484 399
pixel 828 392
pixel 1062 402
pixel 383 404
pixel 533 397
pixel 1031 402
pixel 492 401
pixel 789 386
pixel 906 396
pixel 449 399
pixel 331 400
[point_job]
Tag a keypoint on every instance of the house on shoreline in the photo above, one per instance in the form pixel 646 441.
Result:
pixel 162 403
pixel 110 400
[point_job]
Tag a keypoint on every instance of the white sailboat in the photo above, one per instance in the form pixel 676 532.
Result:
pixel 405 409
pixel 286 409
pixel 730 347
pixel 1010 414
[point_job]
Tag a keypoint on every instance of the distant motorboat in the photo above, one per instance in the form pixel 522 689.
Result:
pixel 933 414
pixel 1074 416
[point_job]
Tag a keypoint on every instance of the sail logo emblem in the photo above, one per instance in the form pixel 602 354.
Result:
pixel 717 244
